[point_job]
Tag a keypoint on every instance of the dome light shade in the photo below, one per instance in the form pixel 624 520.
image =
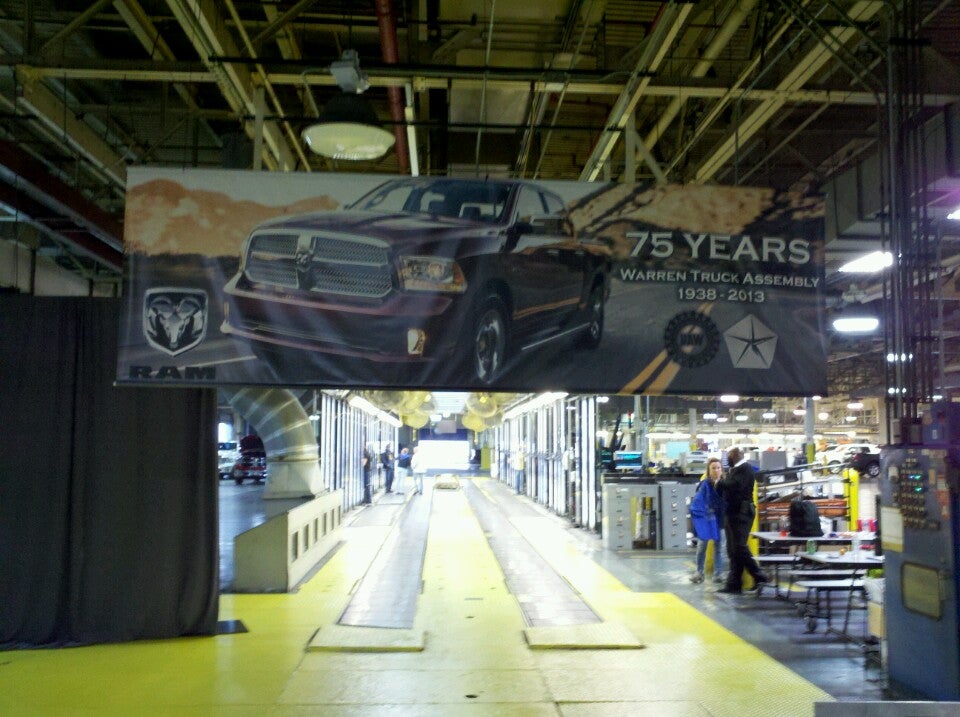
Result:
pixel 348 128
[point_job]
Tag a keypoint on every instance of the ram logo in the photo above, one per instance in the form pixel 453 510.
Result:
pixel 174 320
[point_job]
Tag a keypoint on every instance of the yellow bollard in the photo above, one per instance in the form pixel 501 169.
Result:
pixel 851 492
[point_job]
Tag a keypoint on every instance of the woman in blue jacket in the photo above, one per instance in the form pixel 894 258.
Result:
pixel 706 510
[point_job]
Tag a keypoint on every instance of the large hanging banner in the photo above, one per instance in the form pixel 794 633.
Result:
pixel 338 280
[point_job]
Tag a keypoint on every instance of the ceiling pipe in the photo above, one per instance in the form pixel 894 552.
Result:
pixel 387 22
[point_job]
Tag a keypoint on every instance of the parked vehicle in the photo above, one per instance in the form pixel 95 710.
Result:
pixel 252 462
pixel 227 455
pixel 422 269
pixel 251 466
pixel 842 453
pixel 866 462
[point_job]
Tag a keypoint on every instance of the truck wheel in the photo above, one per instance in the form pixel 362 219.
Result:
pixel 489 343
pixel 590 338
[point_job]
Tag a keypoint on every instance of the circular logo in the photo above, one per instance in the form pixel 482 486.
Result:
pixel 691 339
pixel 303 259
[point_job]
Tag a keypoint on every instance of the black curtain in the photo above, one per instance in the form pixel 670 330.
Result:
pixel 108 496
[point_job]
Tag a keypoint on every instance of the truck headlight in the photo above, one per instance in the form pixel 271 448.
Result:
pixel 431 273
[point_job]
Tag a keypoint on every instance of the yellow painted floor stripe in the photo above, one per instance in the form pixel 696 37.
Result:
pixel 475 660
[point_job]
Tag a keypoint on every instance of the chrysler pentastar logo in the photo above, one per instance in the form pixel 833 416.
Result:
pixel 174 319
pixel 750 343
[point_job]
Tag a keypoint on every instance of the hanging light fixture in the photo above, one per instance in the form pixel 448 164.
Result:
pixel 348 127
pixel 856 320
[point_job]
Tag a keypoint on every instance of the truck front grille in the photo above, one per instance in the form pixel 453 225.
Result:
pixel 327 264
pixel 271 259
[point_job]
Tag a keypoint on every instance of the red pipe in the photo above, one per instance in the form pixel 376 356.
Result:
pixel 387 23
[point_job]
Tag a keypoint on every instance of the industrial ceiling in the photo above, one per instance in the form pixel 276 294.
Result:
pixel 791 94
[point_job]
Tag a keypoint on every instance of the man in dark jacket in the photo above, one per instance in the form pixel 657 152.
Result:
pixel 736 488
pixel 386 460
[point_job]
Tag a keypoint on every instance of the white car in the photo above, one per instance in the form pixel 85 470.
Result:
pixel 227 455
pixel 835 457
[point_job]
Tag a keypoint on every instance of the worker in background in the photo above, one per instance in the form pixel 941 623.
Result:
pixel 736 489
pixel 706 511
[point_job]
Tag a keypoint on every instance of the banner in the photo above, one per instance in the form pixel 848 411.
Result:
pixel 339 280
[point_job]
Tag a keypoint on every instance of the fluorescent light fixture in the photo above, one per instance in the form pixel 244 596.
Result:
pixel 937 397
pixel 855 405
pixel 893 358
pixel 817 398
pixel 741 417
pixel 359 402
pixel 603 399
pixel 729 398
pixel 823 415
pixel 955 214
pixel 709 416
pixel 799 412
pixel 868 264
pixel 533 404
pixel 722 419
pixel 856 324
pixel 850 419
pixel 768 415
pixel 314 417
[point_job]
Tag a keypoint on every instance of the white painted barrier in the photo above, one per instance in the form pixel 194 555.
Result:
pixel 276 555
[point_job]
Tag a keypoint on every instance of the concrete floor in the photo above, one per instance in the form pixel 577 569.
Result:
pixel 468 650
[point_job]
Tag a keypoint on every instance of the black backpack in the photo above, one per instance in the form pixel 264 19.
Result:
pixel 804 519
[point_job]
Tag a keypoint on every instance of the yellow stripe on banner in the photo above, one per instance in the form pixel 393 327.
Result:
pixel 643 375
pixel 665 371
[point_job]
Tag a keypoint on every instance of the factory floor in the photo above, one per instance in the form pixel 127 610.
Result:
pixel 464 600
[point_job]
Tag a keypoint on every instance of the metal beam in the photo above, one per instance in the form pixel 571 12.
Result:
pixel 668 25
pixel 206 30
pixel 51 111
pixel 41 199
pixel 466 78
pixel 74 25
pixel 805 68
pixel 717 44
pixel 277 23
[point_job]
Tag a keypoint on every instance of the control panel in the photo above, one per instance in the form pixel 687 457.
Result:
pixel 921 565
pixel 909 483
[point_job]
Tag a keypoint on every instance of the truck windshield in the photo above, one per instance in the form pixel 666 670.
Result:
pixel 476 201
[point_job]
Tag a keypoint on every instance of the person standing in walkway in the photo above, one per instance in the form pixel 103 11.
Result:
pixel 706 511
pixel 736 489
pixel 386 460
pixel 419 467
pixel 367 472
pixel 519 466
pixel 403 468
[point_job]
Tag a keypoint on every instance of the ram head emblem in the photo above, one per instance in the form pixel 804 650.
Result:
pixel 174 320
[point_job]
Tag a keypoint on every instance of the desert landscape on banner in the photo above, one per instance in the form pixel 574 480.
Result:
pixel 495 284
